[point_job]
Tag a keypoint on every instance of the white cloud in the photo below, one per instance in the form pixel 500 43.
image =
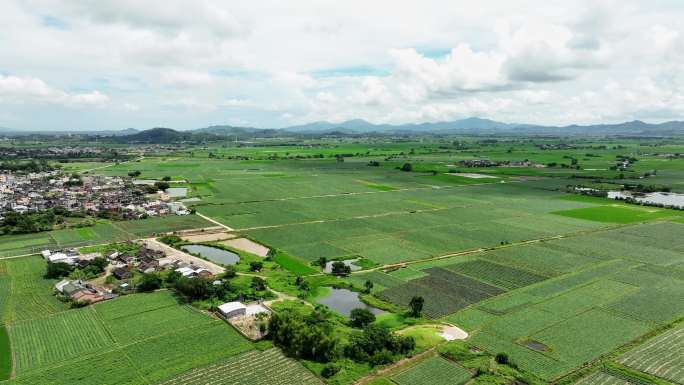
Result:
pixel 14 89
pixel 183 78
pixel 189 64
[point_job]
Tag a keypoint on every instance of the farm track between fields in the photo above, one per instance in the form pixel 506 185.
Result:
pixel 345 194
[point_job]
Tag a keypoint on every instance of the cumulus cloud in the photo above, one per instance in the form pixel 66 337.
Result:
pixel 15 89
pixel 188 64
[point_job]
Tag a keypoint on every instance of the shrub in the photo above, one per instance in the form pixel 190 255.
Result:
pixel 501 358
pixel 330 370
pixel 149 282
pixel 361 317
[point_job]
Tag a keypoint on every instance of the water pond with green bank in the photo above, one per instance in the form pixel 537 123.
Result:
pixel 213 254
pixel 344 301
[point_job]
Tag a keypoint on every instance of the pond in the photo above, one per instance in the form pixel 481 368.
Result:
pixel 666 199
pixel 213 254
pixel 147 182
pixel 348 262
pixel 344 301
pixel 177 192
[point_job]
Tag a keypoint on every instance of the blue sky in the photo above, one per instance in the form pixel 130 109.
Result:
pixel 145 63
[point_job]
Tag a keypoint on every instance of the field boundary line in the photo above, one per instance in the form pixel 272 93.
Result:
pixel 214 221
pixel 484 249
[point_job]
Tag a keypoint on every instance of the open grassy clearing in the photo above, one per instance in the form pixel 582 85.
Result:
pixel 620 213
pixel 269 367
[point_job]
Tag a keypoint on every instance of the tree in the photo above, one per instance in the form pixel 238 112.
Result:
pixel 407 167
pixel 194 288
pixel 416 305
pixel 307 337
pixel 149 282
pixel 256 266
pixel 258 284
pixel 361 317
pixel 58 270
pixel 134 173
pixel 368 346
pixel 340 268
pixel 368 285
pixel 166 178
pixel 322 261
pixel 161 185
pixel 229 272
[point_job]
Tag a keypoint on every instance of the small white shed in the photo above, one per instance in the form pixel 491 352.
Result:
pixel 233 309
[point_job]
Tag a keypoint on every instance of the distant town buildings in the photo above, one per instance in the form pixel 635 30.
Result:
pixel 93 195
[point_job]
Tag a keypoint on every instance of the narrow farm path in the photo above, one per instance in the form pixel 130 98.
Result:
pixel 113 164
pixel 395 366
pixel 214 221
pixel 483 249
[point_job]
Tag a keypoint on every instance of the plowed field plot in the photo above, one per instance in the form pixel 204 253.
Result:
pixel 602 378
pixel 433 371
pixel 499 275
pixel 662 356
pixel 444 292
pixel 269 367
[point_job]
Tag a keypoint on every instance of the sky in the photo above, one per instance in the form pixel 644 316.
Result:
pixel 114 64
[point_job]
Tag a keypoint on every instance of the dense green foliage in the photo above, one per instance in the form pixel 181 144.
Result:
pixel 300 336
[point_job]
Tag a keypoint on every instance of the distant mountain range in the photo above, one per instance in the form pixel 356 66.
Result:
pixel 483 126
pixel 357 127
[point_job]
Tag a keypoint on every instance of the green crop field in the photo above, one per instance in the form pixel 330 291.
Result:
pixel 5 354
pixel 74 338
pixel 28 295
pixel 556 280
pixel 662 356
pixel 20 244
pixel 433 371
pixel 618 214
pixel 108 342
pixel 46 341
pixel 269 367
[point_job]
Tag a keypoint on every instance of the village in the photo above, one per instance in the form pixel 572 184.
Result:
pixel 95 195
pixel 124 267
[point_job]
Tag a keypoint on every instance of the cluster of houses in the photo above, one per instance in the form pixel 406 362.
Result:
pixel 68 256
pixel 82 292
pixel 56 152
pixel 93 195
pixel 499 163
pixel 147 260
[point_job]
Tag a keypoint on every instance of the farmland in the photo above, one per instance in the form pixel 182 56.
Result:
pixel 269 367
pixel 433 371
pixel 108 341
pixel 554 280
pixel 99 233
pixel 662 356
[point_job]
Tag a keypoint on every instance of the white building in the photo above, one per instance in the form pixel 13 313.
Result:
pixel 233 309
